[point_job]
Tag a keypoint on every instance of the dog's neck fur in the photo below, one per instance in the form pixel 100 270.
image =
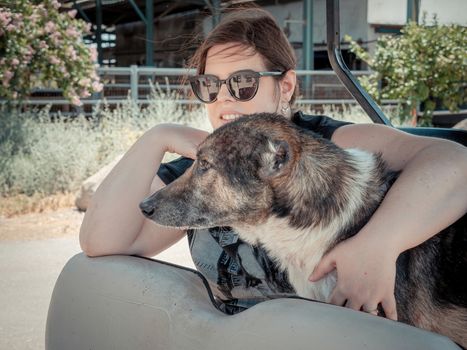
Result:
pixel 312 214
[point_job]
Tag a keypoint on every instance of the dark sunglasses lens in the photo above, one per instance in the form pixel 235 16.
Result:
pixel 205 88
pixel 243 86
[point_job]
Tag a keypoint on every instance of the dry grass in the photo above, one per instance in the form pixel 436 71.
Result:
pixel 43 162
pixel 37 203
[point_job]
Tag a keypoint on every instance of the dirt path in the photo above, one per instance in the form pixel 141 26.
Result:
pixel 33 250
pixel 61 223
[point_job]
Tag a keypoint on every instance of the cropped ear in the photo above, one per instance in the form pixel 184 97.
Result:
pixel 275 158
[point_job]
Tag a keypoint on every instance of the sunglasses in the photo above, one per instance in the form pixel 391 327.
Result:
pixel 242 85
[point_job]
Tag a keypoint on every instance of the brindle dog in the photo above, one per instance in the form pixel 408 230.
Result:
pixel 298 195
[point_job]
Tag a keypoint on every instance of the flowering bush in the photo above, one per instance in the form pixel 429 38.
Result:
pixel 425 64
pixel 42 47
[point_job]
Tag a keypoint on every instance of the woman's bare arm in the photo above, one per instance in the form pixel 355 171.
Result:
pixel 428 196
pixel 113 223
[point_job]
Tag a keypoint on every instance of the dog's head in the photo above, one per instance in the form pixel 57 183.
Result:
pixel 233 178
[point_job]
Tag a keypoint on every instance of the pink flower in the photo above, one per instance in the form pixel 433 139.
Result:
pixel 17 17
pixel 56 4
pixel 56 38
pixel 72 32
pixel 72 13
pixel 43 45
pixel 34 18
pixel 14 62
pixel 8 75
pixel 49 27
pixel 84 93
pixel 76 101
pixel 5 17
pixel 10 28
pixel 54 60
pixel 97 87
pixel 85 82
pixel 93 54
pixel 72 53
pixel 6 78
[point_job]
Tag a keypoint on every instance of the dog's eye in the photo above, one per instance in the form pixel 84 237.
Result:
pixel 203 165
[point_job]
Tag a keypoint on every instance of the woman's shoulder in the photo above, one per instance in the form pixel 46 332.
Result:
pixel 321 124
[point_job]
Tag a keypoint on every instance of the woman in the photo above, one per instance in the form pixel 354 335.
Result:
pixel 429 195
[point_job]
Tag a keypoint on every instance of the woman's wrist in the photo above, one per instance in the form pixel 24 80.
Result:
pixel 159 135
pixel 387 243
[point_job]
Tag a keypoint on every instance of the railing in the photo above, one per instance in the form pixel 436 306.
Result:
pixel 318 87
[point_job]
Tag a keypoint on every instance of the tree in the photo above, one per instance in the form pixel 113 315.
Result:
pixel 42 47
pixel 425 64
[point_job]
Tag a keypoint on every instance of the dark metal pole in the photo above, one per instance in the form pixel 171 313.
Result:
pixel 81 12
pixel 100 54
pixel 342 71
pixel 307 47
pixel 308 52
pixel 413 8
pixel 149 33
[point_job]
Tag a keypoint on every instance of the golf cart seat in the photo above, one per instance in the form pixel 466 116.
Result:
pixel 126 302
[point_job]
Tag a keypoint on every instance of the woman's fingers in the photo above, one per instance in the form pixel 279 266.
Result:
pixel 353 304
pixel 370 308
pixel 389 307
pixel 337 298
pixel 326 265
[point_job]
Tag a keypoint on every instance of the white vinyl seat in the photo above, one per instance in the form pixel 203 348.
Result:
pixel 125 302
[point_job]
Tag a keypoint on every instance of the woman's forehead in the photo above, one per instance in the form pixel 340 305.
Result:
pixel 232 57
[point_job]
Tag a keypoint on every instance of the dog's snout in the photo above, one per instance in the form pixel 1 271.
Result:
pixel 147 208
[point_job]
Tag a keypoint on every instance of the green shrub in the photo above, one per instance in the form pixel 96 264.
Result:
pixel 425 64
pixel 41 45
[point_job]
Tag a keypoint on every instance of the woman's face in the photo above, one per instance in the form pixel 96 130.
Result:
pixel 223 60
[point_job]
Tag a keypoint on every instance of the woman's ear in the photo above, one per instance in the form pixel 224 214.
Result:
pixel 287 84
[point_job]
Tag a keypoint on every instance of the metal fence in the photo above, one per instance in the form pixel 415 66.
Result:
pixel 317 87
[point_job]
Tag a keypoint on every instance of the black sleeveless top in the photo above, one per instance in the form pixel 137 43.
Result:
pixel 240 275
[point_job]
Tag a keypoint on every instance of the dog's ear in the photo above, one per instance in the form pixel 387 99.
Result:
pixel 275 158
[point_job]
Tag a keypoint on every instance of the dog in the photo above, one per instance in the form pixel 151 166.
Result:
pixel 299 195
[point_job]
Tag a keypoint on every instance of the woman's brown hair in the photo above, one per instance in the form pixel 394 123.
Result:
pixel 254 28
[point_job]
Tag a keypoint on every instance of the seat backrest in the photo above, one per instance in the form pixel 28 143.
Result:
pixel 456 135
pixel 124 302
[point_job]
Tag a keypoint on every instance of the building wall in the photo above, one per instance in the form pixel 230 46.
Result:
pixel 448 11
pixel 290 17
pixel 359 19
pixel 172 36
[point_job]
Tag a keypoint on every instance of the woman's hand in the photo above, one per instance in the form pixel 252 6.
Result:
pixel 366 274
pixel 179 139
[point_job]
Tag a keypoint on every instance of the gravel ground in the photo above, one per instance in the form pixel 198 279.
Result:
pixel 33 250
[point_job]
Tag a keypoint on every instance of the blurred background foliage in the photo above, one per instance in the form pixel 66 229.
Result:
pixel 425 66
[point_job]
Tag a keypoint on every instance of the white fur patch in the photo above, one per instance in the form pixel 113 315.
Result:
pixel 298 251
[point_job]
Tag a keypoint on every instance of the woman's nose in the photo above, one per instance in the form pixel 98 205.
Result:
pixel 224 94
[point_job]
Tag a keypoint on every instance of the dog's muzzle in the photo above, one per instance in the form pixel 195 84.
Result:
pixel 147 208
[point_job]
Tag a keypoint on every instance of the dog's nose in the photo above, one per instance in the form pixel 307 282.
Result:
pixel 147 208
